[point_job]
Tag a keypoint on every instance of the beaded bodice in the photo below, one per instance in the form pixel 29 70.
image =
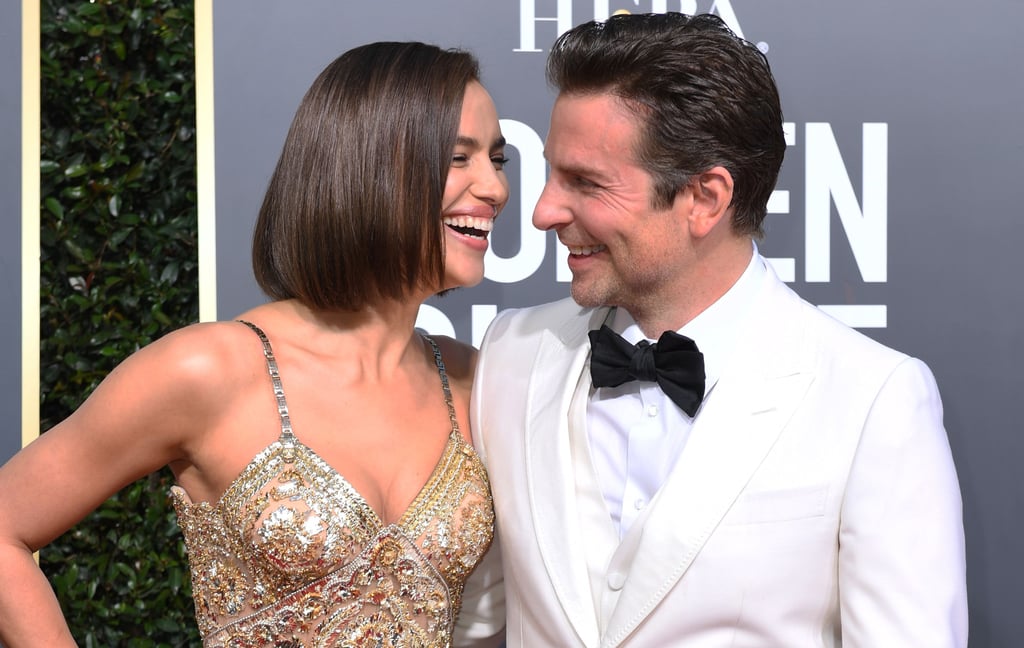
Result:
pixel 292 556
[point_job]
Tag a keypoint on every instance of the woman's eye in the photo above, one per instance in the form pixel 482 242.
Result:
pixel 459 158
pixel 499 162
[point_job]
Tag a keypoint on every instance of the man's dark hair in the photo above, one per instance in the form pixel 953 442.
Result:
pixel 705 98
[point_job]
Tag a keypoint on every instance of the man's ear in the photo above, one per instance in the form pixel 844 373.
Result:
pixel 710 199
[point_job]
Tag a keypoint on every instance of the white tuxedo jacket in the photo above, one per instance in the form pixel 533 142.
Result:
pixel 815 504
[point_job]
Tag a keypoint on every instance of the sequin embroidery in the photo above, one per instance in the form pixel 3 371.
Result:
pixel 293 556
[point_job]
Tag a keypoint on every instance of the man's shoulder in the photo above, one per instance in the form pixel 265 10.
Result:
pixel 837 340
pixel 547 315
pixel 520 329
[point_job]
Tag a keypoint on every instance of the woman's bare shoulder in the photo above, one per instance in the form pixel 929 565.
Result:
pixel 204 352
pixel 194 371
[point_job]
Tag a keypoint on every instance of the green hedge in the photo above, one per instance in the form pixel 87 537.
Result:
pixel 119 257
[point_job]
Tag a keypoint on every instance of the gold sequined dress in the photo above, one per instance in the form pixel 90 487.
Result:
pixel 292 555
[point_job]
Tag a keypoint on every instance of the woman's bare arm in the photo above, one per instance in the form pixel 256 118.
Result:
pixel 139 419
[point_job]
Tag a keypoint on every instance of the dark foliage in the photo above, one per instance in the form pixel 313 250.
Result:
pixel 119 259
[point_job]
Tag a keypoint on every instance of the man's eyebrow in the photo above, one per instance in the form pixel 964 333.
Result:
pixel 581 170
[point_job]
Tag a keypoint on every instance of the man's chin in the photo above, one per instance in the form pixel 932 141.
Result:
pixel 586 296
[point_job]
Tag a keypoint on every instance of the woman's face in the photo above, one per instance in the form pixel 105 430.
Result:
pixel 476 189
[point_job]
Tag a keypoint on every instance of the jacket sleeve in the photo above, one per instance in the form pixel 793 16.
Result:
pixel 481 621
pixel 902 565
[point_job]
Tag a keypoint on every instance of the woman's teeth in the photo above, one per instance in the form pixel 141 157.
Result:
pixel 470 225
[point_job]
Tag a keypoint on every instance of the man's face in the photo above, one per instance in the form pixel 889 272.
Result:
pixel 622 252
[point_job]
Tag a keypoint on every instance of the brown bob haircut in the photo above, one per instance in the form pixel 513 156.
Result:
pixel 352 213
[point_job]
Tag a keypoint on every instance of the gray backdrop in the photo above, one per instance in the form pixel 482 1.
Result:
pixel 896 207
pixel 896 202
pixel 10 222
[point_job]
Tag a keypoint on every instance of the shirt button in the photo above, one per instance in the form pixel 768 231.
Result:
pixel 640 503
pixel 616 580
pixel 652 410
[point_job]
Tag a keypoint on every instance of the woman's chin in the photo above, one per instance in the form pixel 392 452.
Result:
pixel 462 282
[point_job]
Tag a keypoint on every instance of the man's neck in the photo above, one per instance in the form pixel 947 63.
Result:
pixel 712 278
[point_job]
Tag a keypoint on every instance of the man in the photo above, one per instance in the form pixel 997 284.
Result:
pixel 780 480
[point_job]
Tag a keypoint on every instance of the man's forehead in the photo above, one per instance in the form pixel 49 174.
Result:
pixel 569 164
pixel 587 154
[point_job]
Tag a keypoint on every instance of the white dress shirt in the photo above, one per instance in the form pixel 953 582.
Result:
pixel 635 432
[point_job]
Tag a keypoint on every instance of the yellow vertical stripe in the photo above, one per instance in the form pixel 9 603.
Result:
pixel 205 166
pixel 29 221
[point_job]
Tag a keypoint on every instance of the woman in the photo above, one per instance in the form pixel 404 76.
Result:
pixel 315 508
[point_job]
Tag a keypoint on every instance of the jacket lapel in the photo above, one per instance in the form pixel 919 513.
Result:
pixel 561 358
pixel 737 428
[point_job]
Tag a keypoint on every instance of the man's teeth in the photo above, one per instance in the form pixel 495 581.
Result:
pixel 470 225
pixel 585 251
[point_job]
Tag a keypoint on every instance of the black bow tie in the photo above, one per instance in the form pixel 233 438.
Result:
pixel 673 362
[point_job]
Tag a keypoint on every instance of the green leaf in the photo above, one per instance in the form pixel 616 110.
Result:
pixel 76 170
pixel 170 273
pixel 90 9
pixel 76 192
pixel 77 251
pixel 135 171
pixel 118 237
pixel 159 315
pixel 54 207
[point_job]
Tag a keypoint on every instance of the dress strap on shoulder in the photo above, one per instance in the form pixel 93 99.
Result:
pixel 275 378
pixel 444 384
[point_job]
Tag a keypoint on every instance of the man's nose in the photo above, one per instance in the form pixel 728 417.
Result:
pixel 550 211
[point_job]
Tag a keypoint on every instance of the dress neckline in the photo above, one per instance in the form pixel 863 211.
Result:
pixel 289 447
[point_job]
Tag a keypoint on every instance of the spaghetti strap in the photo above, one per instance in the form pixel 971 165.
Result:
pixel 444 384
pixel 275 378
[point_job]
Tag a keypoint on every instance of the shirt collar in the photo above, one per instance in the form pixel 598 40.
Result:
pixel 713 329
